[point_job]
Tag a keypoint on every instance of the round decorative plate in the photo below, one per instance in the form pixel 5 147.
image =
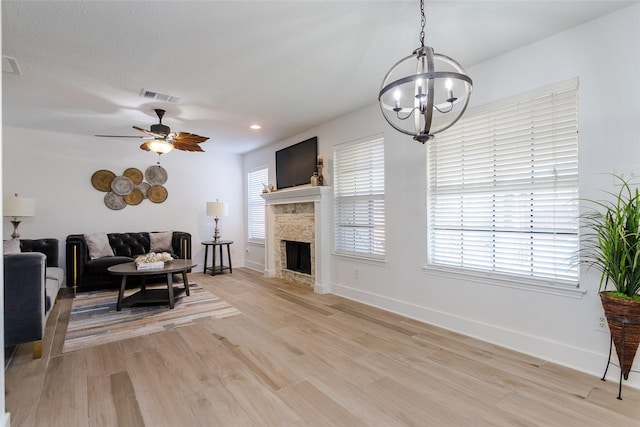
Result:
pixel 144 188
pixel 156 175
pixel 121 185
pixel 157 194
pixel 113 201
pixel 133 198
pixel 134 174
pixel 101 180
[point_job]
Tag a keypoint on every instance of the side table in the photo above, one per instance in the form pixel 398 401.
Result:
pixel 219 244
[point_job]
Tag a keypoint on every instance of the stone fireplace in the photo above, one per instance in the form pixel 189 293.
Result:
pixel 297 229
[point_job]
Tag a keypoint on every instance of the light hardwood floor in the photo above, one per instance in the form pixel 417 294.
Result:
pixel 295 358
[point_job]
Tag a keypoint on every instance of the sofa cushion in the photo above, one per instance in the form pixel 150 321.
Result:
pixel 98 245
pixel 11 246
pixel 53 282
pixel 161 242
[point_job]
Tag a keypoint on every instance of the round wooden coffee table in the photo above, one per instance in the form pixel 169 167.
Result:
pixel 153 296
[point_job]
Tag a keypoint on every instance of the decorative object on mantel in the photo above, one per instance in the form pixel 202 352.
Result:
pixel 320 166
pixel 268 188
pixel 413 91
pixel 217 209
pixel 18 207
pixel 314 179
pixel 129 188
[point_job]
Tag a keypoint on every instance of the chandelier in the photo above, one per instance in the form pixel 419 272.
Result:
pixel 424 93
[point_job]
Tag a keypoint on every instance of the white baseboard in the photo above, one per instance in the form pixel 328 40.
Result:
pixel 254 265
pixel 319 288
pixel 580 359
pixel 6 420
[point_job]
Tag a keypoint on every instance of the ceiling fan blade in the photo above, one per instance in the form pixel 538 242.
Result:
pixel 148 132
pixel 144 146
pixel 183 146
pixel 190 138
pixel 120 136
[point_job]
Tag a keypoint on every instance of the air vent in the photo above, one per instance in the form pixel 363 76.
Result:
pixel 10 65
pixel 159 96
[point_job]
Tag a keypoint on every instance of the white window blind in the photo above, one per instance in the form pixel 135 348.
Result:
pixel 255 203
pixel 503 189
pixel 359 210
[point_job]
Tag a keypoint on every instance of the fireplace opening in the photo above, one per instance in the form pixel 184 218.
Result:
pixel 298 256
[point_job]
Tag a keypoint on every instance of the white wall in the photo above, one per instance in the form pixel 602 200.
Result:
pixel 56 169
pixel 561 328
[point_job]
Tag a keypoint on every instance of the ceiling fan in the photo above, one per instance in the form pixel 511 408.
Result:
pixel 163 140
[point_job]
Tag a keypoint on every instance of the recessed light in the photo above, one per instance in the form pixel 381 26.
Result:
pixel 256 127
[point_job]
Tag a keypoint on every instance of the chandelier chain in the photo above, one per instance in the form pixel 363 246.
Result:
pixel 423 21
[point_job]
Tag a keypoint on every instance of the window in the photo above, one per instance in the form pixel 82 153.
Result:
pixel 503 189
pixel 359 198
pixel 256 180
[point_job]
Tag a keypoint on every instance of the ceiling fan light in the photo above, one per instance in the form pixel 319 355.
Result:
pixel 159 146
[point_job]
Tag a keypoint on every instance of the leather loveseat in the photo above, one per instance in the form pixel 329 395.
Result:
pixel 32 280
pixel 84 273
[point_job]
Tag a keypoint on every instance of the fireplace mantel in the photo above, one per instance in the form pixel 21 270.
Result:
pixel 296 195
pixel 321 198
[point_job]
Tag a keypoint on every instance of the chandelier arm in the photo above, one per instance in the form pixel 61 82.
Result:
pixel 408 115
pixel 444 111
pixel 464 108
pixel 393 125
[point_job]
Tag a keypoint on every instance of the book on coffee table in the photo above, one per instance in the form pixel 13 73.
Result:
pixel 149 265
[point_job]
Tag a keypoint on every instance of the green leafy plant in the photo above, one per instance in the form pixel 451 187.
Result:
pixel 613 241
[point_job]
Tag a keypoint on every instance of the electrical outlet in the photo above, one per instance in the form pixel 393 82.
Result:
pixel 628 173
pixel 356 273
pixel 602 324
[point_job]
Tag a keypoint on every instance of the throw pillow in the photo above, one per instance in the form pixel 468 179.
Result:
pixel 161 242
pixel 11 246
pixel 98 244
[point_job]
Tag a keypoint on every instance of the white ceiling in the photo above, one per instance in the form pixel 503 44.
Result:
pixel 287 65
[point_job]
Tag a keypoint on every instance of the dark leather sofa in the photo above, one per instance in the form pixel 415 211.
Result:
pixel 84 273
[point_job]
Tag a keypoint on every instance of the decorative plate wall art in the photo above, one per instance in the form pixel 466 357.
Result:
pixel 129 188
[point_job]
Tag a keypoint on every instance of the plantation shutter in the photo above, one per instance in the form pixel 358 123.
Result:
pixel 359 208
pixel 256 221
pixel 503 189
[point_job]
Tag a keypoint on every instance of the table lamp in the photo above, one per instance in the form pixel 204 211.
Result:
pixel 217 209
pixel 18 207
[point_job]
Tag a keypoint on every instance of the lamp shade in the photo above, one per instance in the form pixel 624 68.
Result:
pixel 217 209
pixel 19 206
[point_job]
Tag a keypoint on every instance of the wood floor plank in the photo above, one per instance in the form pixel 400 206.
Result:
pixel 261 404
pixel 294 358
pixel 344 389
pixel 191 374
pixel 63 401
pixel 216 407
pixel 126 404
pixel 160 401
pixel 316 408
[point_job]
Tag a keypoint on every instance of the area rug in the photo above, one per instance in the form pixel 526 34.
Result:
pixel 94 319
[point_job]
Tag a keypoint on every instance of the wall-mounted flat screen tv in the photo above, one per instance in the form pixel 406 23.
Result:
pixel 296 163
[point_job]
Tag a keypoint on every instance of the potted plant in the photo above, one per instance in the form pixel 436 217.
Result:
pixel 613 247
